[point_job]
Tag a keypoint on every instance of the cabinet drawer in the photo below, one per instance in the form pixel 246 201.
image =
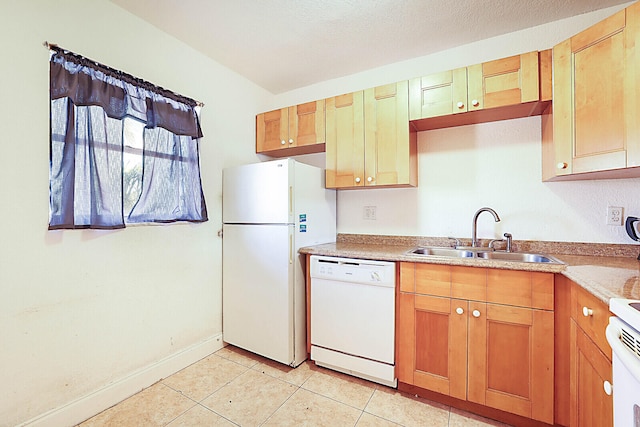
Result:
pixel 520 288
pixel 432 279
pixel 592 315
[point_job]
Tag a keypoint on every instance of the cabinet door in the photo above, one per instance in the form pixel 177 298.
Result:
pixel 345 141
pixel 387 146
pixel 590 405
pixel 432 351
pixel 307 124
pixel 507 81
pixel 511 359
pixel 438 94
pixel 592 104
pixel 272 132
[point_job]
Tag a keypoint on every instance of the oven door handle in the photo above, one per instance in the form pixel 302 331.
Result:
pixel 631 362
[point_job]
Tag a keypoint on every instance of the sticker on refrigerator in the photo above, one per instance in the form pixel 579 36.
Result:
pixel 303 217
pixel 303 228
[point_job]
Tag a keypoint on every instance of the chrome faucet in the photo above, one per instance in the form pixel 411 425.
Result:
pixel 474 225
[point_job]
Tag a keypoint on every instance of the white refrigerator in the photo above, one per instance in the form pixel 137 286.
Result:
pixel 269 211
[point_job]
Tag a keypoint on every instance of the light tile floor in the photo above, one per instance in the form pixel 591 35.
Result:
pixel 233 387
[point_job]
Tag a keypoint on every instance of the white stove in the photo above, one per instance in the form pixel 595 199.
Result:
pixel 623 334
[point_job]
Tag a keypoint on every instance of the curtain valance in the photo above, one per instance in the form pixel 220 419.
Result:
pixel 86 83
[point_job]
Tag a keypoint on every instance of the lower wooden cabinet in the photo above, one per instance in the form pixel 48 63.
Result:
pixel 590 369
pixel 582 359
pixel 474 349
pixel 432 345
pixel 513 346
pixel 590 361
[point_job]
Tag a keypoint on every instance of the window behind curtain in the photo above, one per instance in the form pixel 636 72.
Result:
pixel 121 150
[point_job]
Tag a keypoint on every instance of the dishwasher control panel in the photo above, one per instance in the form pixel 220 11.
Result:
pixel 381 273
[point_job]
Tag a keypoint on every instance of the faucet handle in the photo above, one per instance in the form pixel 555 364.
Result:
pixel 456 240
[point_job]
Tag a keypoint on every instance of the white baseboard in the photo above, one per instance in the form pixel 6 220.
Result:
pixel 87 406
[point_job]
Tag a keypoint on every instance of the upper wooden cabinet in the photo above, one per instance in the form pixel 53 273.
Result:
pixel 477 334
pixel 368 139
pixel 345 123
pixel 495 90
pixel 438 94
pixel 592 131
pixel 299 129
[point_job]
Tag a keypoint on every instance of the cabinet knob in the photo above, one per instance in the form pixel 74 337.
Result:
pixel 357 180
pixel 460 105
pixel 586 312
pixel 369 179
pixel 283 142
pixel 290 141
pixel 608 388
pixel 475 102
pixel 476 313
pixel 562 165
pixel 459 310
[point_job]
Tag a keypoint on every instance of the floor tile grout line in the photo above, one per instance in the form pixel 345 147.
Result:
pixel 278 408
pixel 218 414
pixel 331 398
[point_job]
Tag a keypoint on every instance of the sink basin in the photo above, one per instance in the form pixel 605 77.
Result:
pixel 518 257
pixel 442 252
pixel 483 254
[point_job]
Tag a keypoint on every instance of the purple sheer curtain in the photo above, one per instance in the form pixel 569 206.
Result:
pixel 86 167
pixel 173 160
pixel 89 103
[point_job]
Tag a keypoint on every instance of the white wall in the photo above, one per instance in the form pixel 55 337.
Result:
pixel 81 310
pixel 493 164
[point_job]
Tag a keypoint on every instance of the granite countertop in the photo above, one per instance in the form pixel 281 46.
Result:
pixel 605 276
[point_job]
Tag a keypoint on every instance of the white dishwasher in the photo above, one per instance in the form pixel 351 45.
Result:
pixel 353 317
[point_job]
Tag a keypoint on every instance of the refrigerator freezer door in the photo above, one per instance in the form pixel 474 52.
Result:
pixel 257 300
pixel 259 193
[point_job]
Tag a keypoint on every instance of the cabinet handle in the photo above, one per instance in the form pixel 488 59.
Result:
pixel 460 105
pixel 291 141
pixel 358 180
pixel 608 388
pixel 586 312
pixel 459 310
pixel 282 142
pixel 475 102
pixel 476 313
pixel 562 165
pixel 369 179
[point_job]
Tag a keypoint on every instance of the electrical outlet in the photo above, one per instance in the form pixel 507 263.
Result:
pixel 369 213
pixel 614 215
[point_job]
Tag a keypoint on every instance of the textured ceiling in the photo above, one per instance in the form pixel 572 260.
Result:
pixel 286 44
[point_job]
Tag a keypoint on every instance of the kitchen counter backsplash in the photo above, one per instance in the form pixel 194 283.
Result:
pixel 544 247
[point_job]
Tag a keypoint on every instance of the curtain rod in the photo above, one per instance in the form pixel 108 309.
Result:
pixel 56 48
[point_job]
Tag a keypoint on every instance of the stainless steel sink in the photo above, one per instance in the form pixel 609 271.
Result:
pixel 483 254
pixel 518 257
pixel 442 252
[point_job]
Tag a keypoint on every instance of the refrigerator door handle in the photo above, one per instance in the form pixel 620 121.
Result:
pixel 290 200
pixel 290 248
